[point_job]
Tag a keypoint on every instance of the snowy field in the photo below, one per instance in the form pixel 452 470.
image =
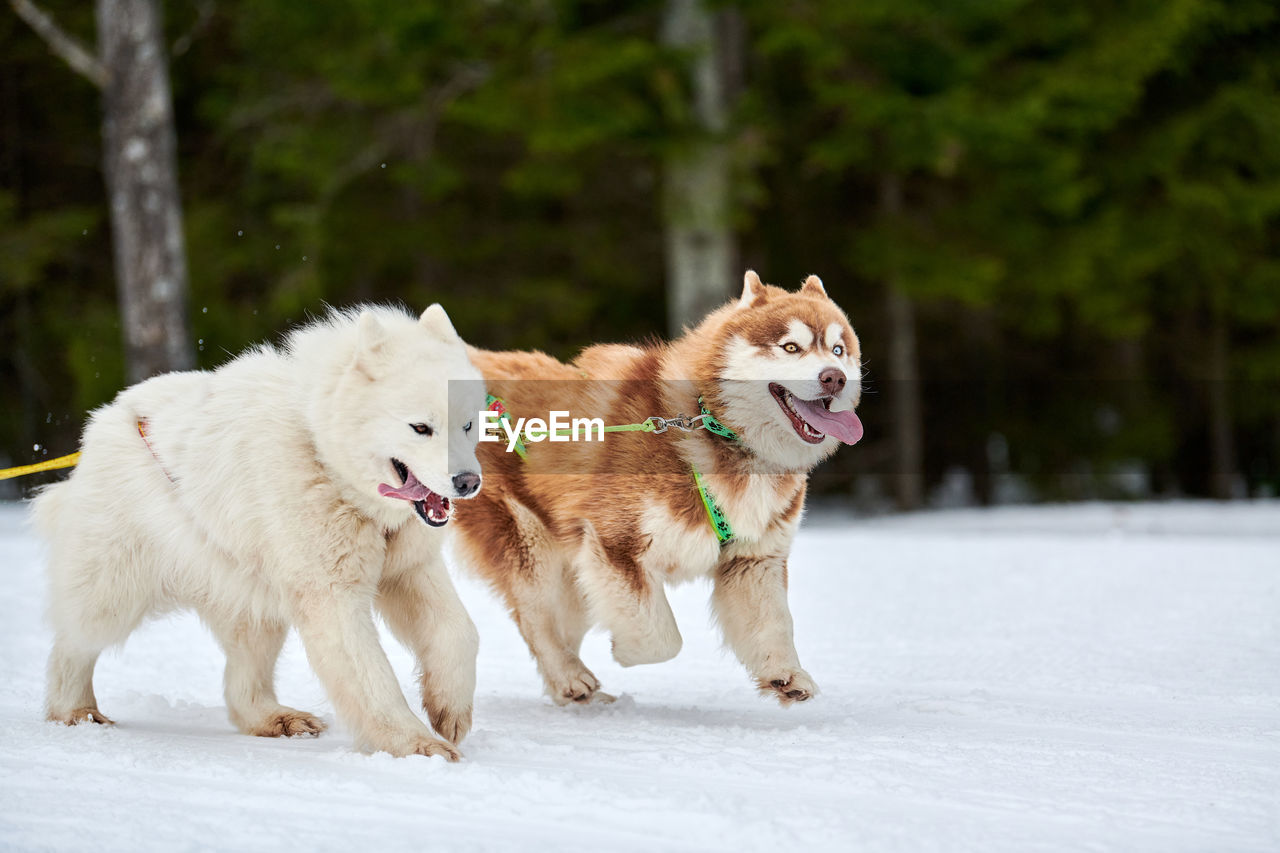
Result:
pixel 1071 678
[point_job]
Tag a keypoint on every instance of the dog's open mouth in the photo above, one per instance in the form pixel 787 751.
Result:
pixel 432 508
pixel 813 420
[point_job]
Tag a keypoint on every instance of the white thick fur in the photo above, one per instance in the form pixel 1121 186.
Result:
pixel 253 499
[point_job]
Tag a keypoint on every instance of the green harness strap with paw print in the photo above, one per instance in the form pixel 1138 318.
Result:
pixel 720 524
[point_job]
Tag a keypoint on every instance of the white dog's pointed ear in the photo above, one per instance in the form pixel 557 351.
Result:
pixel 752 290
pixel 369 332
pixel 435 319
pixel 813 285
pixel 370 337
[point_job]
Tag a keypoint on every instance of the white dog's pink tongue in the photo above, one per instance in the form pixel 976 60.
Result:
pixel 412 490
pixel 843 425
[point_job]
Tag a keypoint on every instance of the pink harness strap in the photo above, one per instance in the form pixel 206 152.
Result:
pixel 142 431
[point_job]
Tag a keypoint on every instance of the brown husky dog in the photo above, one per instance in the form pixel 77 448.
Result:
pixel 586 533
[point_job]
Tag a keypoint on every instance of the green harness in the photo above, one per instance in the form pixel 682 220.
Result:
pixel 704 420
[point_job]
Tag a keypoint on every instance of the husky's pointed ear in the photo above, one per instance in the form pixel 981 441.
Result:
pixel 752 290
pixel 435 319
pixel 813 286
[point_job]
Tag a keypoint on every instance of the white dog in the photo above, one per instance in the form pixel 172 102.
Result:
pixel 279 489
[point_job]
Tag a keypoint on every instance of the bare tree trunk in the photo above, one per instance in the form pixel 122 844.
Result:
pixel 1222 462
pixel 904 372
pixel 140 166
pixel 699 240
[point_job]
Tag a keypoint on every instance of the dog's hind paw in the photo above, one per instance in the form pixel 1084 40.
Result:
pixel 289 723
pixel 80 715
pixel 789 687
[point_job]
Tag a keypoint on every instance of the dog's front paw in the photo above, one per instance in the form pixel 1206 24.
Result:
pixel 450 723
pixel 579 687
pixel 656 647
pixel 789 687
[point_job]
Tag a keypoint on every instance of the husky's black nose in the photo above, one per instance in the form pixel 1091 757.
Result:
pixel 832 380
pixel 466 484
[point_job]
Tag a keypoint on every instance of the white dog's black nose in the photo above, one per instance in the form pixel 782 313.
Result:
pixel 466 484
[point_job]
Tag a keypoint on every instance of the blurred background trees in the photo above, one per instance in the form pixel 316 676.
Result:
pixel 130 67
pixel 1056 226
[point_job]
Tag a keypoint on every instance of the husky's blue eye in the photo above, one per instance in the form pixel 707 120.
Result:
pixel 838 350
pixel 466 427
pixel 421 429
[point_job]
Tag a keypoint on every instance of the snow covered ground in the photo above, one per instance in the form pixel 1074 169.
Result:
pixel 1095 677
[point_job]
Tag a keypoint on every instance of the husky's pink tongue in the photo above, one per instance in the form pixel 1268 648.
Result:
pixel 843 425
pixel 412 490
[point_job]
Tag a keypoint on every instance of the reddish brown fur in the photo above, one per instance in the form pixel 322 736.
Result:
pixel 568 493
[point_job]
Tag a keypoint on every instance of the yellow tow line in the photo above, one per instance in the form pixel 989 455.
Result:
pixel 67 461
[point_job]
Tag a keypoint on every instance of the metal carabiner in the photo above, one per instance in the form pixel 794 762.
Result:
pixel 681 422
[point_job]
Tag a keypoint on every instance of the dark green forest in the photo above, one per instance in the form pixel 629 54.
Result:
pixel 1069 211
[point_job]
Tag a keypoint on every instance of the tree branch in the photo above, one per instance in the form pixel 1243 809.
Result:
pixel 81 60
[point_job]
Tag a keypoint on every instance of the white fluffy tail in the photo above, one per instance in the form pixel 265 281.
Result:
pixel 45 509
